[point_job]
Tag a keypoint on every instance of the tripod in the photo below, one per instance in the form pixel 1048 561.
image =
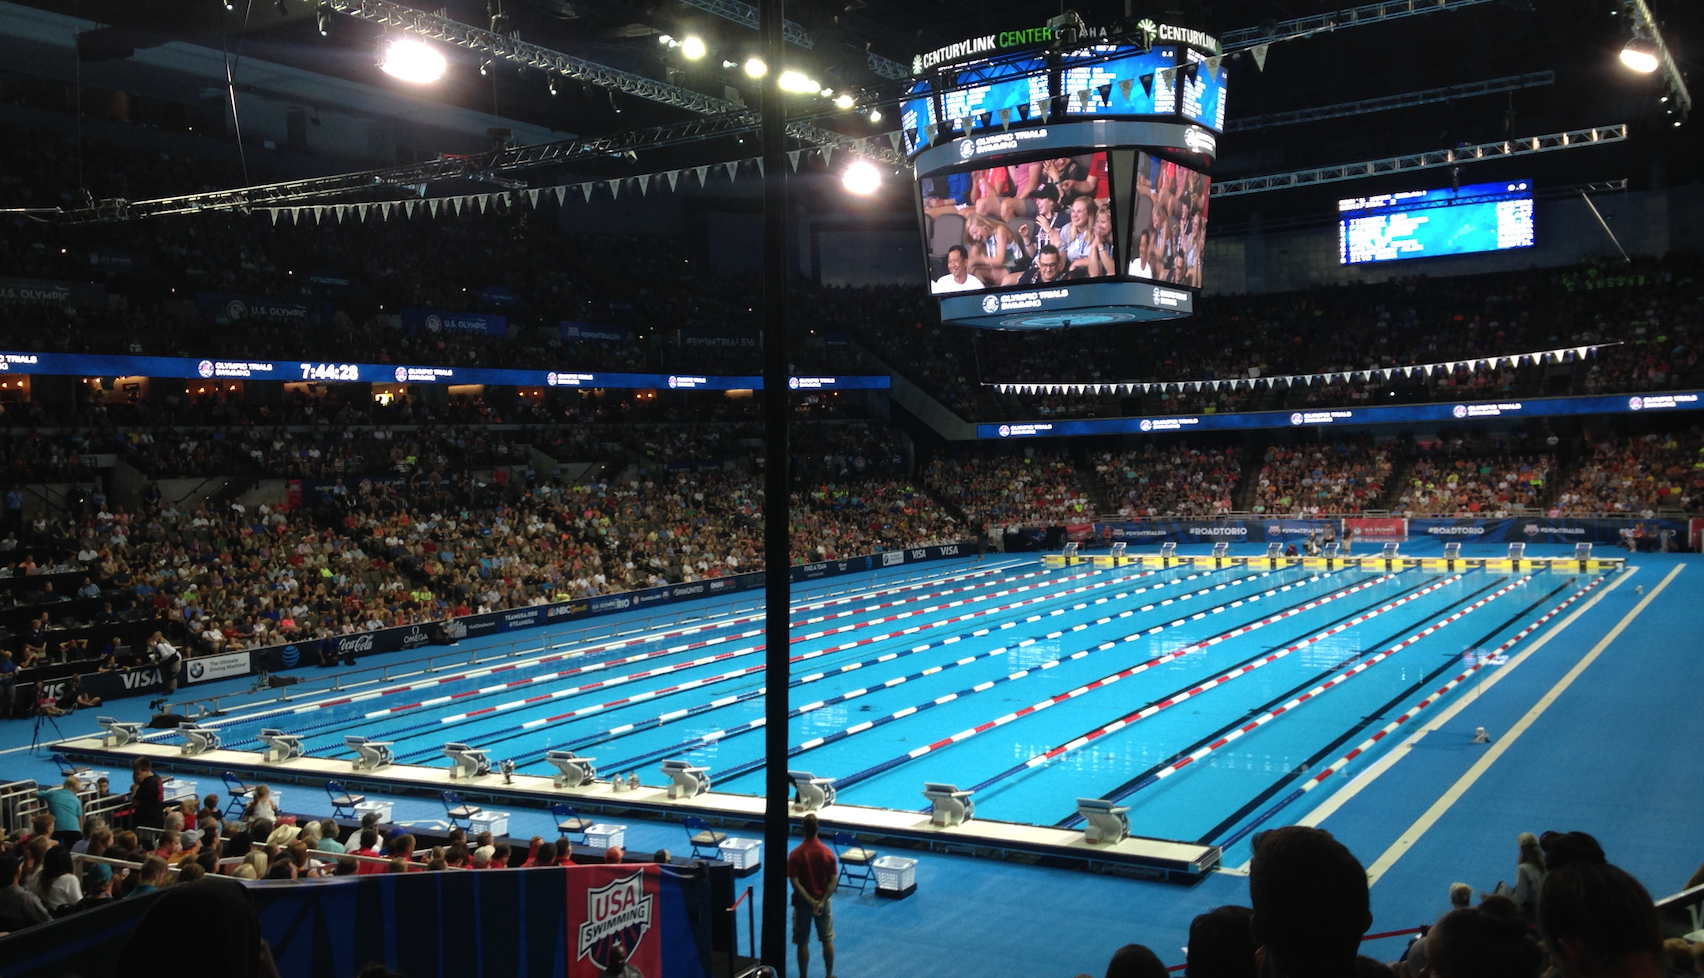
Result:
pixel 35 735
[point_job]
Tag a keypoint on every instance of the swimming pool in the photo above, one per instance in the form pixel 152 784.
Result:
pixel 1203 698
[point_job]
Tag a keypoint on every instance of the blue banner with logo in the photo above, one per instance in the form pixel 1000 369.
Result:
pixel 497 295
pixel 727 338
pixel 1191 531
pixel 573 331
pixel 228 307
pixel 327 279
pixel 439 321
pixel 1542 529
pixel 40 292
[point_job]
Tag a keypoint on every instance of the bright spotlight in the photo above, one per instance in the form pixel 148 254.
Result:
pixel 412 61
pixel 693 47
pixel 862 178
pixel 729 64
pixel 827 93
pixel 755 68
pixel 1640 55
pixel 792 81
pixel 664 38
pixel 875 115
pixel 843 102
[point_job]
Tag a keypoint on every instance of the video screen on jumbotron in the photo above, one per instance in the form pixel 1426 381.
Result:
pixel 1204 90
pixel 1425 223
pixel 1130 81
pixel 1168 226
pixel 1030 223
pixel 993 88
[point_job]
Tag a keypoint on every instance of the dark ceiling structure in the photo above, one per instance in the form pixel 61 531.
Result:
pixel 1425 75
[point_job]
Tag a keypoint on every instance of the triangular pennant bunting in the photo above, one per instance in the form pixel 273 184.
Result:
pixel 614 188
pixel 760 171
pixel 1005 118
pixel 793 158
pixel 1259 52
pixel 828 155
pixel 532 197
pixel 586 192
pixel 1124 87
pixel 644 184
pixel 703 174
pixel 674 178
pixel 894 141
pixel 1105 92
pixel 733 168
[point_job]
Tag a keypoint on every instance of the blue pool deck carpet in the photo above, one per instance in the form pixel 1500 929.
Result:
pixel 1589 716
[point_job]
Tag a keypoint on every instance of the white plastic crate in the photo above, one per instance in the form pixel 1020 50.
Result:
pixel 602 836
pixel 741 853
pixel 178 789
pixel 895 873
pixel 383 808
pixel 497 823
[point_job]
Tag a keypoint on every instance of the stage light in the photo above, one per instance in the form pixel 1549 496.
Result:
pixel 322 16
pixel 792 81
pixel 664 39
pixel 875 115
pixel 862 178
pixel 484 68
pixel 827 93
pixel 729 64
pixel 755 67
pixel 693 47
pixel 412 61
pixel 1640 54
pixel 843 101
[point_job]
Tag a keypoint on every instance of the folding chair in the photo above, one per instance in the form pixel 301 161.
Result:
pixel 850 854
pixel 702 836
pixel 238 792
pixel 459 812
pixel 342 801
pixel 569 822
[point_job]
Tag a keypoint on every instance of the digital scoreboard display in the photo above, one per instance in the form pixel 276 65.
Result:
pixel 1131 81
pixel 916 114
pixel 988 89
pixel 1427 223
pixel 1204 90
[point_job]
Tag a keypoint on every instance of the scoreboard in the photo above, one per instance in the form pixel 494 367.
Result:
pixel 1427 223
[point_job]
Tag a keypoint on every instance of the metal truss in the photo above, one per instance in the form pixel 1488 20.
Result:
pixel 1524 146
pixel 1672 78
pixel 745 14
pixel 1386 103
pixel 1371 13
pixel 514 50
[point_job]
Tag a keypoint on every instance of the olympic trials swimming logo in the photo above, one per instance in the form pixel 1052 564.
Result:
pixel 990 303
pixel 434 323
pixel 1146 425
pixel 674 381
pixel 401 374
pixel 1635 403
pixel 204 368
pixel 793 382
pixel 1005 430
pixel 1460 411
pixel 1296 418
pixel 967 148
pixel 550 378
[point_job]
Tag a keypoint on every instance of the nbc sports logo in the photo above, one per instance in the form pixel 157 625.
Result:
pixel 990 303
pixel 434 323
pixel 1005 430
pixel 1146 425
pixel 401 374
pixel 1635 403
pixel 1296 418
pixel 204 368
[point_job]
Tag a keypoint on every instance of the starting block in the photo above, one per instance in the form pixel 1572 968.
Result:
pixel 572 770
pixel 814 792
pixel 467 761
pixel 281 746
pixel 950 806
pixel 119 732
pixel 1107 821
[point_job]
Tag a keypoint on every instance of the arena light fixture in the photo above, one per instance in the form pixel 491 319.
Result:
pixel 412 61
pixel 1640 55
pixel 843 101
pixel 693 47
pixel 797 83
pixel 875 115
pixel 862 178
pixel 755 68
pixel 665 39
pixel 729 64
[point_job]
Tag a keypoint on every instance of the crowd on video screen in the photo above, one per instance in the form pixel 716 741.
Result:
pixel 1169 230
pixel 1021 224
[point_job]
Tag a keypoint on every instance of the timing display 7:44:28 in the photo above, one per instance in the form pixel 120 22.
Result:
pixel 331 371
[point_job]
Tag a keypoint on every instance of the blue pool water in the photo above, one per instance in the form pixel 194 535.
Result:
pixel 882 674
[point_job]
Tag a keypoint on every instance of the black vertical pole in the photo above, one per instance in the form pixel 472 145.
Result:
pixel 776 494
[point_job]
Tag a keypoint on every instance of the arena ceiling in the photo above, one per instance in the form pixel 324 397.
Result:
pixel 1577 40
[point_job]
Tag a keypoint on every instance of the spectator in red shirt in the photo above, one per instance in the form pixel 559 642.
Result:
pixel 370 848
pixel 812 870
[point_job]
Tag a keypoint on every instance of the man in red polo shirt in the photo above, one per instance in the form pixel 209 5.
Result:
pixel 812 870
